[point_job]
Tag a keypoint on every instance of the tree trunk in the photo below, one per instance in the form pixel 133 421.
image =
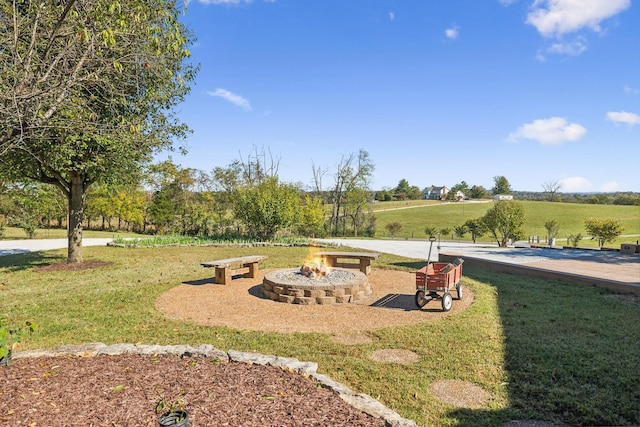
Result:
pixel 76 215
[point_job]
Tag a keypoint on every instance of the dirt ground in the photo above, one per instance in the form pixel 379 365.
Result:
pixel 241 305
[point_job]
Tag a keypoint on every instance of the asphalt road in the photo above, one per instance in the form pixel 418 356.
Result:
pixel 9 247
pixel 513 255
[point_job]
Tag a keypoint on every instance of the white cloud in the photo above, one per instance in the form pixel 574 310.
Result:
pixel 540 56
pixel 631 91
pixel 618 117
pixel 575 183
pixel 232 98
pixel 554 130
pixel 609 187
pixel 558 17
pixel 506 2
pixel 574 48
pixel 452 33
pixel 392 16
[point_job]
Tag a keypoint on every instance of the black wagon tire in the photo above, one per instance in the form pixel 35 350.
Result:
pixel 447 301
pixel 421 299
pixel 459 290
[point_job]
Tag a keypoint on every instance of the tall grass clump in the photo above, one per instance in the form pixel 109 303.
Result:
pixel 222 239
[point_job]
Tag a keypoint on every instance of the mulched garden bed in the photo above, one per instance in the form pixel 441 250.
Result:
pixel 126 390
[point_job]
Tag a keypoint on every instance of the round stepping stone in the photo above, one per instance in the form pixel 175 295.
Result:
pixel 394 355
pixel 460 393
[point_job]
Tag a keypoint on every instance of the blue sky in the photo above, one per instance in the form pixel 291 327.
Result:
pixel 436 91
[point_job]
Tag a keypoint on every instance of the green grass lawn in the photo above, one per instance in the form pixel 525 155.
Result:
pixel 570 216
pixel 544 350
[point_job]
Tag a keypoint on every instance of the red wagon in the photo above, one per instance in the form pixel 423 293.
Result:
pixel 437 280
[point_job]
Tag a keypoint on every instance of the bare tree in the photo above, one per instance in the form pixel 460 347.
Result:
pixel 552 187
pixel 259 166
pixel 318 174
pixel 352 175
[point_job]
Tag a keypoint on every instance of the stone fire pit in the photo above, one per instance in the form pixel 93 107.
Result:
pixel 339 286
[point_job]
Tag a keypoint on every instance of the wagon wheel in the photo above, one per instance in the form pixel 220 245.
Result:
pixel 447 301
pixel 459 290
pixel 422 299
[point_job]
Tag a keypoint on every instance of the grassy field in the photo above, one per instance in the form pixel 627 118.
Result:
pixel 570 216
pixel 544 350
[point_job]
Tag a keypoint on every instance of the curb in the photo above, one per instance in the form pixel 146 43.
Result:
pixel 360 401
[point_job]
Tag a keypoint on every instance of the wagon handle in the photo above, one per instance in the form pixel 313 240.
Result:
pixel 431 240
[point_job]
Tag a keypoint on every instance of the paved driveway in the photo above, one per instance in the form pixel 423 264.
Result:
pixel 8 247
pixel 611 265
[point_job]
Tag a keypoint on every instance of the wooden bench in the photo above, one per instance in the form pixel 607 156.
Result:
pixel 245 265
pixel 364 259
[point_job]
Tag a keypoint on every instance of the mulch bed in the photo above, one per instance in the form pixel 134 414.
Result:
pixel 74 266
pixel 125 390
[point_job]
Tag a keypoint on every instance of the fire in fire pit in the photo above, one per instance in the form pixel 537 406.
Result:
pixel 314 269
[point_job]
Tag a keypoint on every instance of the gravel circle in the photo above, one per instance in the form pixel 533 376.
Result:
pixel 334 276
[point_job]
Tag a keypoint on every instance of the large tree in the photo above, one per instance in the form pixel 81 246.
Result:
pixel 267 207
pixel 500 185
pixel 504 221
pixel 462 187
pixel 87 89
pixel 478 192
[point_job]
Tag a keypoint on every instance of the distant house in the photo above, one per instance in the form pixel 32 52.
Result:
pixel 435 193
pixel 502 197
pixel 460 196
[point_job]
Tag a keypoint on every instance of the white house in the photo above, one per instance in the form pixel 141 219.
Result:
pixel 435 193
pixel 502 197
pixel 460 196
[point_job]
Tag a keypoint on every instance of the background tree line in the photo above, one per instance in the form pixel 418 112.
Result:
pixel 245 197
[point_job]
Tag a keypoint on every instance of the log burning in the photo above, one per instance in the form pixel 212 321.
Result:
pixel 314 269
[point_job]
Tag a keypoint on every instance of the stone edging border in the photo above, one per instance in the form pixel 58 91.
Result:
pixel 360 401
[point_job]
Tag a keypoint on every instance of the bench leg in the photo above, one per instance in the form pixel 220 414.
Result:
pixel 253 270
pixel 223 275
pixel 365 265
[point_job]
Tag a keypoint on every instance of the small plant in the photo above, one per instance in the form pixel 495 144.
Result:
pixel 431 231
pixel 393 228
pixel 174 414
pixel 10 337
pixel 553 228
pixel 574 239
pixel 603 230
